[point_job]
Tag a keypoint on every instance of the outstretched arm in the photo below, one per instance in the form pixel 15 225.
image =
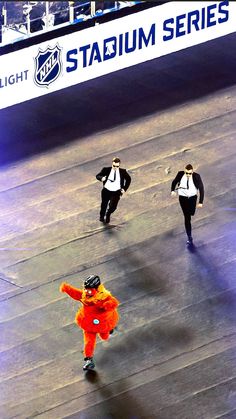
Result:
pixel 73 292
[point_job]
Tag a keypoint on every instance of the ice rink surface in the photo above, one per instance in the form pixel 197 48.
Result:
pixel 174 353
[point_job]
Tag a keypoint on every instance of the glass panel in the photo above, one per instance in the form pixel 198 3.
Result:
pixel 21 19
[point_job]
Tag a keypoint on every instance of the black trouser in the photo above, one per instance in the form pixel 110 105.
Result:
pixel 188 206
pixel 111 198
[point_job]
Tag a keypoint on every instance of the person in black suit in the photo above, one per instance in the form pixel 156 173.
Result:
pixel 116 181
pixel 189 183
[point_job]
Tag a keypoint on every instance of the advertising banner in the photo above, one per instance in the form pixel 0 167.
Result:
pixel 102 49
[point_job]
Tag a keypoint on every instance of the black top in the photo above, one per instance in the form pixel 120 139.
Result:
pixel 196 180
pixel 125 178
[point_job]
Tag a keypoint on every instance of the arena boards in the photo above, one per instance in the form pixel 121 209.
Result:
pixel 93 52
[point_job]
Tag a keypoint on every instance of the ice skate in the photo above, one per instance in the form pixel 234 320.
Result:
pixel 189 242
pixel 89 364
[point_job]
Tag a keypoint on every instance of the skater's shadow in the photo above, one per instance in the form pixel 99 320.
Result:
pixel 134 361
pixel 143 267
pixel 204 264
pixel 92 376
pixel 138 276
pixel 146 276
pixel 192 248
pixel 150 342
pixel 145 279
pixel 115 400
pixel 134 267
pixel 112 229
pixel 213 282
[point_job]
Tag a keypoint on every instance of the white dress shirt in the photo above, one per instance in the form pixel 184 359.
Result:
pixel 183 190
pixel 110 184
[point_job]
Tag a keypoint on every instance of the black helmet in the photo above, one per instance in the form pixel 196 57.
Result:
pixel 93 281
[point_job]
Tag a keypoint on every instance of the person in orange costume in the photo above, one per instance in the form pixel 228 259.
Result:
pixel 98 314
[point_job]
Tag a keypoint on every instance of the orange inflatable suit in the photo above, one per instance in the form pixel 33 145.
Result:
pixel 98 314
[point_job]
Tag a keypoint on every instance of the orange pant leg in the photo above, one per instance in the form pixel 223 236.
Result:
pixel 104 336
pixel 89 343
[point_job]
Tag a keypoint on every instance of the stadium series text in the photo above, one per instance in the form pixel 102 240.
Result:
pixel 183 25
pixel 125 43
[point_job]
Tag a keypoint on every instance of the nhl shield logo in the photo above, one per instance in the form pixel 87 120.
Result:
pixel 47 66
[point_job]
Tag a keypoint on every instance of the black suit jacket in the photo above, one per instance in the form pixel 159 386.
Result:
pixel 196 180
pixel 125 178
